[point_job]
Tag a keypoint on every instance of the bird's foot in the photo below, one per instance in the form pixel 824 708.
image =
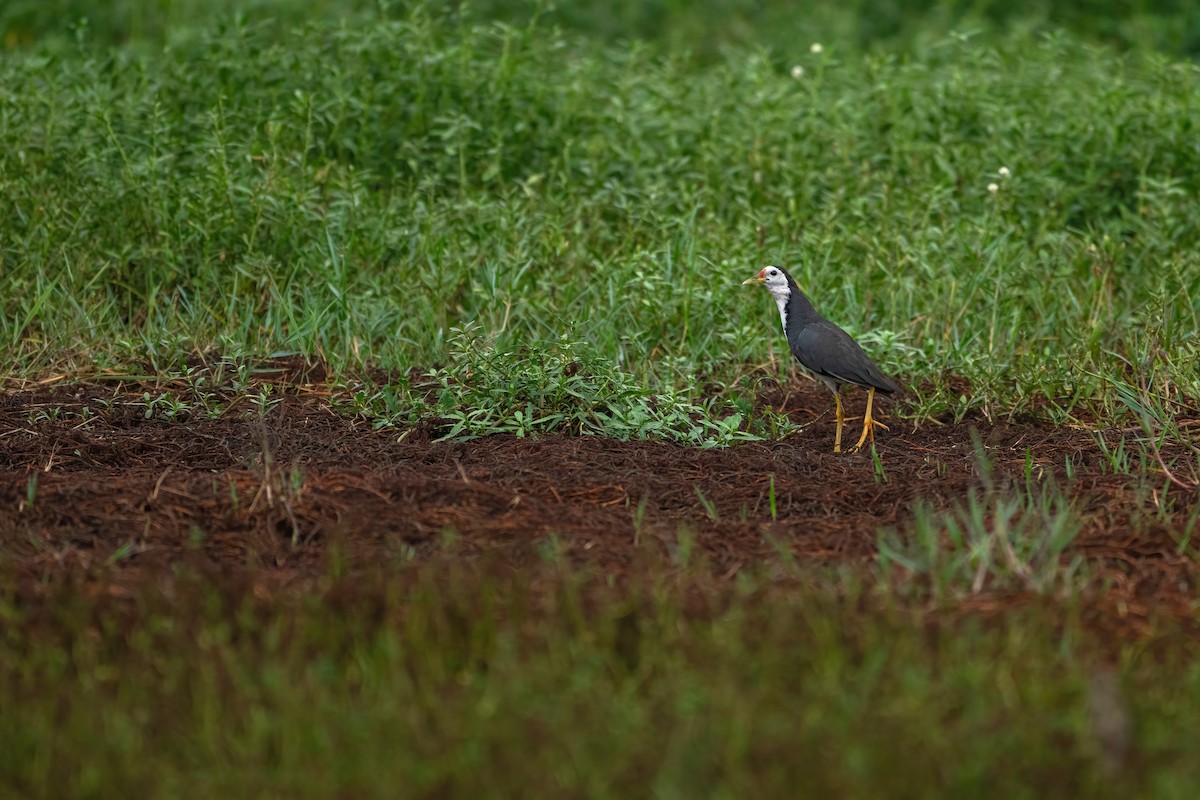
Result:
pixel 868 433
pixel 873 423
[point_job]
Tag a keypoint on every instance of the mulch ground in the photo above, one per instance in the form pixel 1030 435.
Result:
pixel 277 495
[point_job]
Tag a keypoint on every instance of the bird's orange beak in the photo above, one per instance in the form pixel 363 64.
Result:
pixel 761 277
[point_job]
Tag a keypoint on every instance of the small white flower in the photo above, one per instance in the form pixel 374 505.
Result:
pixel 1003 172
pixel 797 72
pixel 758 176
pixel 993 187
pixel 816 48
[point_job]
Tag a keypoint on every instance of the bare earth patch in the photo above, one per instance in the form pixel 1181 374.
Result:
pixel 272 498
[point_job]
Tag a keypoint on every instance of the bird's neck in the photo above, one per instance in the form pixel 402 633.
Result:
pixel 794 307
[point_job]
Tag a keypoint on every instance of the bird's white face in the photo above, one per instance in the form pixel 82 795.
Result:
pixel 777 284
pixel 774 279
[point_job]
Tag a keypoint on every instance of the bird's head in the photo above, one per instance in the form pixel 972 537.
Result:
pixel 774 278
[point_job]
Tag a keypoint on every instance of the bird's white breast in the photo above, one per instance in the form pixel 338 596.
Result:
pixel 781 299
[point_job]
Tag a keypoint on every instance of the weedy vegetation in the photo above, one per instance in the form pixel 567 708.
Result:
pixel 1013 208
pixel 461 681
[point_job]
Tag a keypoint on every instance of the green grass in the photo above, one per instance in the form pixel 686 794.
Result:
pixel 452 683
pixel 354 190
pixel 703 28
pixel 563 387
pixel 995 539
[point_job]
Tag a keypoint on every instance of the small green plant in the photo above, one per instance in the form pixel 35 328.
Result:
pixel 1116 456
pixel 553 550
pixel 31 484
pixel 165 406
pixel 877 466
pixel 683 546
pixel 563 387
pixel 277 488
pixel 196 537
pixel 996 539
pixel 771 498
pixel 710 508
pixel 262 402
pixel 389 406
pixel 122 553
pixel 639 521
pixel 44 414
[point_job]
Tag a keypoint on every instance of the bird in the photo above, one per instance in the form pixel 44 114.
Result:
pixel 824 349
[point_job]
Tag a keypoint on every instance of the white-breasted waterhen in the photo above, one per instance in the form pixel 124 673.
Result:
pixel 824 349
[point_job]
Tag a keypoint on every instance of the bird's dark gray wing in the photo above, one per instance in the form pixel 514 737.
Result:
pixel 827 350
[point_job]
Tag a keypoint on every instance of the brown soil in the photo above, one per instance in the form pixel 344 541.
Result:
pixel 277 496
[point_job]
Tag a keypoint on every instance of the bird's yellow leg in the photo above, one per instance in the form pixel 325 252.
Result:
pixel 837 437
pixel 869 422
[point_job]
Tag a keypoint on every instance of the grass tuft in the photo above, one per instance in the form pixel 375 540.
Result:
pixel 564 387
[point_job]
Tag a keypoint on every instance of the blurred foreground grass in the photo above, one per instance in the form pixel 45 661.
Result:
pixel 459 681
